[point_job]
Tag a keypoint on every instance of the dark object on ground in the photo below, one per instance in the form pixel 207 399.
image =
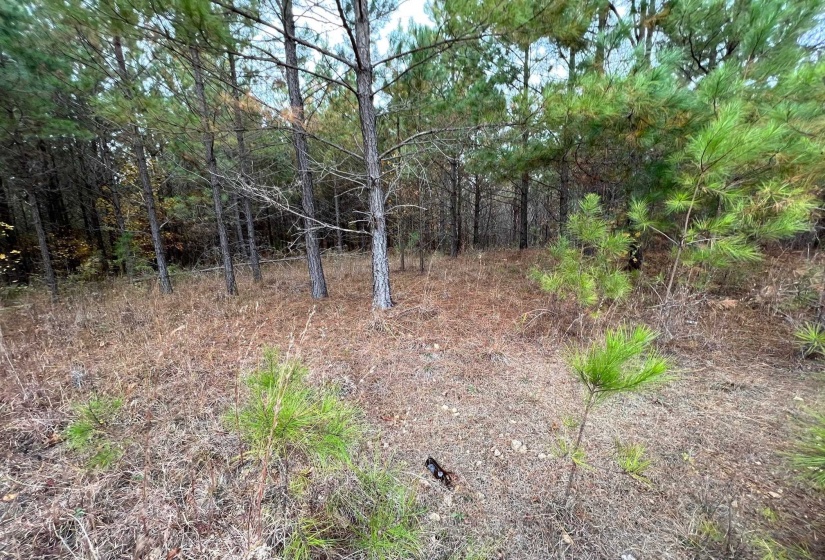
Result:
pixel 634 256
pixel 444 476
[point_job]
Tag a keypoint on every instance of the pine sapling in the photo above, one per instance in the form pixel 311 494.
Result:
pixel 624 362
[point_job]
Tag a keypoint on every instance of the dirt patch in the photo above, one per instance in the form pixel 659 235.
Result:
pixel 469 360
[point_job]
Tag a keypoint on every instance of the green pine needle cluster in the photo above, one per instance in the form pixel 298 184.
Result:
pixel 810 338
pixel 89 433
pixel 283 415
pixel 590 259
pixel 625 362
pixel 631 459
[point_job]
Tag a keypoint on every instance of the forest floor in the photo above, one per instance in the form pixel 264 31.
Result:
pixel 470 359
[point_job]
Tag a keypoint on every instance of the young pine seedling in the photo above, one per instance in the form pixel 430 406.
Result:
pixel 625 362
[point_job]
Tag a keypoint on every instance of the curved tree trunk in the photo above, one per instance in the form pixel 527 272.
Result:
pixel 208 139
pixel 316 270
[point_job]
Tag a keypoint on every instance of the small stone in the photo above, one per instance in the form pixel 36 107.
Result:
pixel 774 495
pixel 542 456
pixel 798 398
pixel 497 453
pixel 456 413
pixel 454 410
pixel 434 517
pixel 522 449
pixel 436 346
pixel 445 407
pixel 448 500
pixel 627 556
pixel 515 444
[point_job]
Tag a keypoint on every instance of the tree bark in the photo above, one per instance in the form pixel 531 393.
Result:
pixel 455 209
pixel 339 235
pixel 243 159
pixel 602 25
pixel 422 226
pixel 524 239
pixel 143 172
pixel 476 212
pixel 564 191
pixel 238 223
pixel 381 289
pixel 51 280
pixel 208 139
pixel 45 254
pixel 296 100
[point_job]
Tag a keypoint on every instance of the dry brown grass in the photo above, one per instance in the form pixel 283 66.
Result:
pixel 458 339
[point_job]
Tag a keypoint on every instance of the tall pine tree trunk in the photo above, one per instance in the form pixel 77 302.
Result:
pixel 381 289
pixel 143 173
pixel 243 157
pixel 208 139
pixel 238 223
pixel 476 211
pixel 339 235
pixel 455 209
pixel 45 254
pixel 524 239
pixel 126 257
pixel 51 280
pixel 296 100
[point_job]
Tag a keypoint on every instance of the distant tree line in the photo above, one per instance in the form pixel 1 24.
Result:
pixel 135 136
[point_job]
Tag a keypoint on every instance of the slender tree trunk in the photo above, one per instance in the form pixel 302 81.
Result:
pixel 238 223
pixel 602 25
pixel 401 244
pixel 51 280
pixel 564 192
pixel 524 239
pixel 455 209
pixel 45 254
pixel 243 157
pixel 296 100
pixel 128 261
pixel 381 290
pixel 339 235
pixel 651 12
pixel 143 173
pixel 421 227
pixel 573 466
pixel 208 139
pixel 476 212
